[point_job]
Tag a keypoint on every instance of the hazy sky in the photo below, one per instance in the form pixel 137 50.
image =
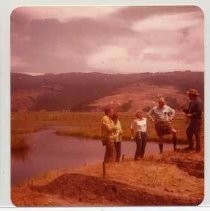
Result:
pixel 107 39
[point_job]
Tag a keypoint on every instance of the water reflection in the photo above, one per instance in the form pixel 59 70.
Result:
pixel 48 151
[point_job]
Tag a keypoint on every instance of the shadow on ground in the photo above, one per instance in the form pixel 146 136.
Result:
pixel 193 165
pixel 99 191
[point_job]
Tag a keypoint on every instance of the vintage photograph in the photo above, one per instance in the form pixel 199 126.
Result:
pixel 107 106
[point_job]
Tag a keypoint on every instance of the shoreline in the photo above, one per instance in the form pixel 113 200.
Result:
pixel 84 125
pixel 98 138
pixel 184 183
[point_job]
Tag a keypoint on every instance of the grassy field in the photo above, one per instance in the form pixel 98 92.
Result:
pixel 172 178
pixel 79 124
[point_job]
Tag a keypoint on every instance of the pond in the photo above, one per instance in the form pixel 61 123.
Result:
pixel 49 151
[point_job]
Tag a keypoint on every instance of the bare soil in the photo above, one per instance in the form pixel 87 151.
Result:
pixel 168 179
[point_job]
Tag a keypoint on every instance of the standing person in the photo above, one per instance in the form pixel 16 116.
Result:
pixel 194 113
pixel 107 131
pixel 162 115
pixel 139 134
pixel 117 136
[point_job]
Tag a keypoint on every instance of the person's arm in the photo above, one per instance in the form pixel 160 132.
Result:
pixel 120 131
pixel 120 128
pixel 150 114
pixel 108 126
pixel 132 130
pixel 198 110
pixel 185 110
pixel 172 112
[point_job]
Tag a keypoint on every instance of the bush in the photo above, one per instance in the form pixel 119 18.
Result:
pixel 18 142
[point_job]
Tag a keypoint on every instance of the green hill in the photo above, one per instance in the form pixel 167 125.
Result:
pixel 79 91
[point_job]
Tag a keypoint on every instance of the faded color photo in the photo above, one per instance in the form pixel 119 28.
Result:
pixel 107 106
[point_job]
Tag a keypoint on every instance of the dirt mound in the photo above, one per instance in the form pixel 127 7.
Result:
pixel 95 190
pixel 195 168
pixel 190 162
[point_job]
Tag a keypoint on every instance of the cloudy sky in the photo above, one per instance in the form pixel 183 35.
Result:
pixel 106 39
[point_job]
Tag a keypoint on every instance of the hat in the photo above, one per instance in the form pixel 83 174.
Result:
pixel 193 92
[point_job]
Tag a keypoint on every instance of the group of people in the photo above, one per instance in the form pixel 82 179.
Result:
pixel 162 116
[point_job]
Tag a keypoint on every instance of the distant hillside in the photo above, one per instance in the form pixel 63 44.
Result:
pixel 80 91
pixel 140 96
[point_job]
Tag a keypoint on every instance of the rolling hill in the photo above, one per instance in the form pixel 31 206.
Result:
pixel 91 91
pixel 140 96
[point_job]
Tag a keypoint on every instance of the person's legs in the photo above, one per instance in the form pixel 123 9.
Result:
pixel 107 153
pixel 110 152
pixel 197 135
pixel 159 134
pixel 189 133
pixel 143 144
pixel 138 146
pixel 174 138
pixel 198 144
pixel 118 151
pixel 160 144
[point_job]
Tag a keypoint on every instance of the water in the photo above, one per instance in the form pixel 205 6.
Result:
pixel 49 151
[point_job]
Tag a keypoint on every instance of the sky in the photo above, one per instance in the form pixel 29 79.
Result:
pixel 107 39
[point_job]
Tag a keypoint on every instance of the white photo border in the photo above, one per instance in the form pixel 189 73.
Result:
pixel 6 7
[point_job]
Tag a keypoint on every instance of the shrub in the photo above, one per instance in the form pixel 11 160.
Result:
pixel 18 142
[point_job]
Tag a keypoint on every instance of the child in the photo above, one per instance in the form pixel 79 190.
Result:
pixel 139 134
pixel 117 136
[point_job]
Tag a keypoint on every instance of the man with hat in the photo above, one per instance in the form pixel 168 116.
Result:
pixel 162 115
pixel 194 113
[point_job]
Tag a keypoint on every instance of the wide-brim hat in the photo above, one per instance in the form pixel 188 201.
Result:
pixel 192 92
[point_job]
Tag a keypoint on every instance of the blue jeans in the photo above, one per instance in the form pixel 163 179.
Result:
pixel 141 141
pixel 118 150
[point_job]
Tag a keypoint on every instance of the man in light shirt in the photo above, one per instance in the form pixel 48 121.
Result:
pixel 162 115
pixel 139 134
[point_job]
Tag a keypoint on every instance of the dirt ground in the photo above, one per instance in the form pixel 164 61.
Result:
pixel 168 179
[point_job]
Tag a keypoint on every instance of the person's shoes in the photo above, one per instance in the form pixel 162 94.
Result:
pixel 189 148
pixel 137 159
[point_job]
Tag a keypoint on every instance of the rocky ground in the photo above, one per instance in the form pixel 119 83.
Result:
pixel 168 179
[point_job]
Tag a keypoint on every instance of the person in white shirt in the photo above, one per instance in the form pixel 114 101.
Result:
pixel 139 134
pixel 162 115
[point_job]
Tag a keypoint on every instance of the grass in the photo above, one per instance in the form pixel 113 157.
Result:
pixel 84 124
pixel 153 175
